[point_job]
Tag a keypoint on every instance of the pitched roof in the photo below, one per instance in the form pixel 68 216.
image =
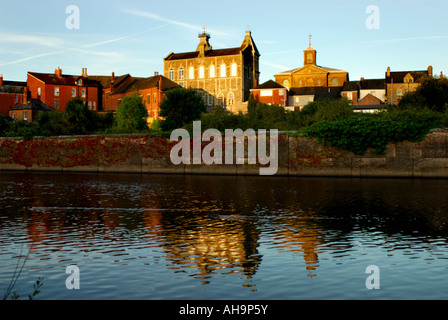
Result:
pixel 325 69
pixel 7 88
pixel 210 53
pixel 64 79
pixel 134 84
pixel 372 84
pixel 350 86
pixel 398 76
pixel 270 84
pixel 33 104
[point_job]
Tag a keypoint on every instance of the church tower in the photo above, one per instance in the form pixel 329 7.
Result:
pixel 309 56
pixel 204 45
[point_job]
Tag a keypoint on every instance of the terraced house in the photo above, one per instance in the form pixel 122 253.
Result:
pixel 223 76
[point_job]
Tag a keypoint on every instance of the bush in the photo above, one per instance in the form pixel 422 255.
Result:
pixel 131 115
pixel 5 123
pixel 357 134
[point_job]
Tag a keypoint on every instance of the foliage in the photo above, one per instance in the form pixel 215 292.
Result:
pixel 179 107
pixel 326 110
pixel 432 93
pixel 357 134
pixel 155 126
pixel 5 123
pixel 131 115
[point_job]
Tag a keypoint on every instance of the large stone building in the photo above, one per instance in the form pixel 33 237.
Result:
pixel 311 75
pixel 223 76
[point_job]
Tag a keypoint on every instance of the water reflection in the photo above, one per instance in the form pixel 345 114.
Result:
pixel 211 227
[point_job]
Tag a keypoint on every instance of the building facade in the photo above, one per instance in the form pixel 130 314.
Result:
pixel 12 93
pixel 271 93
pixel 311 75
pixel 57 89
pixel 223 77
pixel 399 83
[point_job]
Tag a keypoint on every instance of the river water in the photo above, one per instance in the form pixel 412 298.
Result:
pixel 175 237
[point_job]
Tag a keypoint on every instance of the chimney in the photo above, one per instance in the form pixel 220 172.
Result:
pixel 84 72
pixel 1 80
pixel 388 71
pixel 362 78
pixel 160 84
pixel 430 71
pixel 156 73
pixel 58 72
pixel 113 76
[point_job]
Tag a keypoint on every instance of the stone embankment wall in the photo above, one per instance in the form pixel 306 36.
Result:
pixel 145 154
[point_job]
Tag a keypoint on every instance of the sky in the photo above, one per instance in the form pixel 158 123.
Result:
pixel 361 37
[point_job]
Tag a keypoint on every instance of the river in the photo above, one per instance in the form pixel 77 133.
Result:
pixel 170 237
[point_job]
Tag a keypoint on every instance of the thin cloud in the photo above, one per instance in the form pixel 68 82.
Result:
pixel 154 16
pixel 31 40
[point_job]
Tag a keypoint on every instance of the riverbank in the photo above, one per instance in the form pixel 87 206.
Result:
pixel 146 154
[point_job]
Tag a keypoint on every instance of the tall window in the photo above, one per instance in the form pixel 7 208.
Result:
pixel 220 99
pixel 25 115
pixel 335 82
pixel 56 104
pixel 212 71
pixel 155 97
pixel 286 84
pixel 181 74
pixel 191 73
pixel 223 70
pixel 56 92
pixel 83 93
pixel 231 98
pixel 39 91
pixel 210 100
pixel 201 72
pixel 73 92
pixel 171 74
pixel 233 71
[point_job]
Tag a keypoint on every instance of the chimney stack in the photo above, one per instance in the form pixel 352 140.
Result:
pixel 156 73
pixel 84 72
pixel 58 72
pixel 113 76
pixel 388 71
pixel 430 71
pixel 1 80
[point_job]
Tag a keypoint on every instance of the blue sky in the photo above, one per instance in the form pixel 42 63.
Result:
pixel 134 36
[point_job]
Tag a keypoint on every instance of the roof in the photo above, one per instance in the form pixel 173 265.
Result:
pixel 372 84
pixel 326 69
pixel 317 92
pixel 33 104
pixel 270 84
pixel 134 84
pixel 210 53
pixel 398 76
pixel 64 79
pixel 12 89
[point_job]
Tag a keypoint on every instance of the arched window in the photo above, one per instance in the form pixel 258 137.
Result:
pixel 335 82
pixel 191 73
pixel 181 73
pixel 212 71
pixel 231 99
pixel 286 84
pixel 201 72
pixel 233 69
pixel 171 74
pixel 220 99
pixel 223 70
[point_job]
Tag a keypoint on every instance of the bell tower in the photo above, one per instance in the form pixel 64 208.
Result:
pixel 204 45
pixel 309 55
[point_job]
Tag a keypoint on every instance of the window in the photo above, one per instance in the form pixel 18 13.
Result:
pixel 155 97
pixel 25 115
pixel 210 100
pixel 300 82
pixel 56 104
pixel 223 70
pixel 191 73
pixel 233 70
pixel 220 99
pixel 335 82
pixel 181 74
pixel 181 84
pixel 90 105
pixel 201 72
pixel 148 99
pixel 212 71
pixel 39 92
pixel 14 116
pixel 16 99
pixel 286 84
pixel 83 93
pixel 73 93
pixel 56 92
pixel 231 98
pixel 171 74
pixel 319 82
pixel 94 105
pixel 399 92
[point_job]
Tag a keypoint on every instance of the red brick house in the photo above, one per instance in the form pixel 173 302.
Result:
pixel 57 89
pixel 152 90
pixel 12 93
pixel 28 111
pixel 271 93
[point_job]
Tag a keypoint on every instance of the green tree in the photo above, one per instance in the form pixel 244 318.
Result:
pixel 432 93
pixel 131 115
pixel 179 107
pixel 5 123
